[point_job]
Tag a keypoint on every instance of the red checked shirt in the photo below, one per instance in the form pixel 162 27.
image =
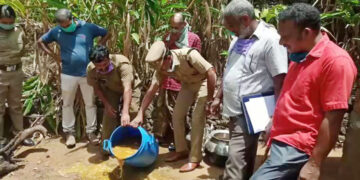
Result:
pixel 194 42
pixel 321 83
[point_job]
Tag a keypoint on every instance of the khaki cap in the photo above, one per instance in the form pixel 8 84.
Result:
pixel 156 51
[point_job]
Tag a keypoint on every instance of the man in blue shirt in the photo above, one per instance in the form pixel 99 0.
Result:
pixel 75 38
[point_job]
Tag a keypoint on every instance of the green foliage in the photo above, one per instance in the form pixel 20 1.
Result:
pixel 270 15
pixel 16 4
pixel 149 21
pixel 347 10
pixel 225 53
pixel 38 100
pixel 344 24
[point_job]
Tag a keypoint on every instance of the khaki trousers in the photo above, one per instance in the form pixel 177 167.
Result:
pixel 11 92
pixel 109 124
pixel 163 112
pixel 190 93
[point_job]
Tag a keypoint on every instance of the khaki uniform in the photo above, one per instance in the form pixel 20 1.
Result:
pixel 165 104
pixel 190 69
pixel 11 51
pixel 112 87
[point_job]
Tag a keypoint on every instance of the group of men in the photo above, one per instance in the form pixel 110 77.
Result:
pixel 312 90
pixel 312 93
pixel 180 73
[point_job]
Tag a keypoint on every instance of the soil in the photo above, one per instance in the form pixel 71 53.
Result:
pixel 52 160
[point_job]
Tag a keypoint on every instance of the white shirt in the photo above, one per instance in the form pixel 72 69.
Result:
pixel 252 73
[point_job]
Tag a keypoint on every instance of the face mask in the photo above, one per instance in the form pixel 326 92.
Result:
pixel 175 31
pixel 298 57
pixel 7 26
pixel 242 46
pixel 109 69
pixel 230 32
pixel 71 28
pixel 178 30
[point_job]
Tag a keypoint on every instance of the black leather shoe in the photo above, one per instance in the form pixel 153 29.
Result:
pixel 28 142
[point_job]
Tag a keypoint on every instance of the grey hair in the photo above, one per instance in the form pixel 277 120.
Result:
pixel 239 8
pixel 63 15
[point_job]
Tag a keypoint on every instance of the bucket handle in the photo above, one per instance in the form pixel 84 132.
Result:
pixel 152 138
pixel 107 145
pixel 144 132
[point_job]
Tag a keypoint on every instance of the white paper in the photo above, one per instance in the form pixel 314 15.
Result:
pixel 260 110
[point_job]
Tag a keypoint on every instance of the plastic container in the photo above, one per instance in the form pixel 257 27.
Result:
pixel 147 152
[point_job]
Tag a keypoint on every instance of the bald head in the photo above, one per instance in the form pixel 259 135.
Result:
pixel 177 23
pixel 177 18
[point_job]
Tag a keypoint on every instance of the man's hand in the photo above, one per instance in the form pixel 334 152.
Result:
pixel 125 120
pixel 211 83
pixel 207 108
pixel 310 171
pixel 137 121
pixel 110 111
pixel 215 107
pixel 266 133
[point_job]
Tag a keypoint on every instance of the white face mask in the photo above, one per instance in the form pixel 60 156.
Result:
pixel 173 30
pixel 244 31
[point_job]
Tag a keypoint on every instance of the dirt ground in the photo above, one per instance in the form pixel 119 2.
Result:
pixel 52 160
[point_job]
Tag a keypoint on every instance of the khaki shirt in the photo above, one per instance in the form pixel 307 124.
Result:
pixel 115 80
pixel 11 46
pixel 188 67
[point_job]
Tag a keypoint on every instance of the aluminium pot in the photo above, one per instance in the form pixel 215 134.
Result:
pixel 217 147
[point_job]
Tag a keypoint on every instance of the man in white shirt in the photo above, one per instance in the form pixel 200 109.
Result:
pixel 256 64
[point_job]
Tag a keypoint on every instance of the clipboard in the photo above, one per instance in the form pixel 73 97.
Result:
pixel 247 98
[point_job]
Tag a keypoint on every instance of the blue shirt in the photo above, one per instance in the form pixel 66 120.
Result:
pixel 75 47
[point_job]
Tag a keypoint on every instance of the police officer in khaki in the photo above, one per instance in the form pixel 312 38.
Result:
pixel 112 77
pixel 197 78
pixel 11 74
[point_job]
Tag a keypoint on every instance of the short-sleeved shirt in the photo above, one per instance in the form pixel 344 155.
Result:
pixel 189 67
pixel 321 83
pixel 11 46
pixel 252 73
pixel 75 46
pixel 194 42
pixel 114 80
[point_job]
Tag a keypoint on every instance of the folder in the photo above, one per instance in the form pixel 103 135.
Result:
pixel 258 110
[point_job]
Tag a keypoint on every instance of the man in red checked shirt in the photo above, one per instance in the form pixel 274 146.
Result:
pixel 178 37
pixel 313 99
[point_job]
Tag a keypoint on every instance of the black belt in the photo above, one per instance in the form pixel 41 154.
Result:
pixel 10 68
